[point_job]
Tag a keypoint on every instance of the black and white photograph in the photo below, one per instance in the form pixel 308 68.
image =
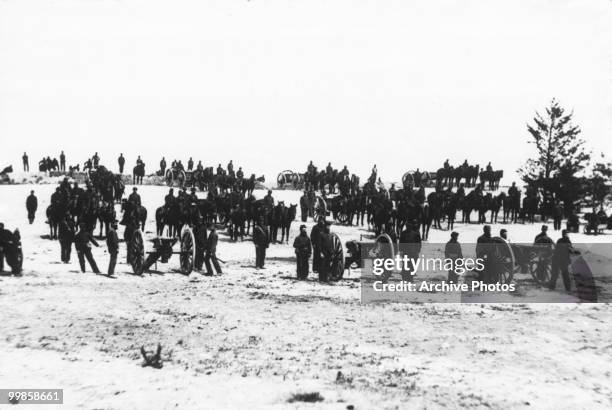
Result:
pixel 282 204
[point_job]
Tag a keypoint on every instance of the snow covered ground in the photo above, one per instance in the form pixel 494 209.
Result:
pixel 255 339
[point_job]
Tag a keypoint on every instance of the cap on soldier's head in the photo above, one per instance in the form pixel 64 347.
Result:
pixel 544 227
pixel 502 231
pixel 134 189
pixel 454 234
pixel 564 232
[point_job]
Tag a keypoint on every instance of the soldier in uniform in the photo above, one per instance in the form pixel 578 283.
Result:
pixel 303 249
pixel 240 173
pixel 31 206
pixel 561 262
pixel 95 160
pixel 304 206
pixel 26 164
pixel 230 168
pixel 66 237
pixel 220 170
pixel 326 250
pixel 452 250
pixel 169 198
pixel 542 238
pixel 121 162
pixel 82 241
pixel 410 240
pixel 484 249
pixel 190 164
pixel 134 197
pixel 211 251
pixel 417 178
pixel 200 243
pixel 269 199
pixel 315 240
pixel 261 240
pixel 112 243
pixel 162 166
pixel 193 198
pixel 62 161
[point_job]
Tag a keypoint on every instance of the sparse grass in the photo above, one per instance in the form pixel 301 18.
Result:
pixel 306 397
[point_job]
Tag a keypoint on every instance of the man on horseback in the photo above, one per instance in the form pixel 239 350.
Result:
pixel 134 198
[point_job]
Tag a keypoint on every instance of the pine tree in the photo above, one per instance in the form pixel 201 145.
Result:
pixel 560 153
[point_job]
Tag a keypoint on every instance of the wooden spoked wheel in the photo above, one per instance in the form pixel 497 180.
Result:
pixel 188 250
pixel 337 259
pixel 136 252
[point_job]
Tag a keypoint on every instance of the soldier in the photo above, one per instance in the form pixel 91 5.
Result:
pixel 239 173
pixel 304 206
pixel 230 168
pixel 112 243
pixel 489 167
pixel 169 199
pixel 200 167
pixel 315 240
pixel 411 242
pixel 261 239
pixel 557 215
pixel 31 206
pixel 219 170
pixel 269 200
pixel 96 160
pixel 211 251
pixel 26 164
pixel 5 238
pixel 326 250
pixel 329 169
pixel 452 250
pixel 417 178
pixel 134 197
pixel 561 261
pixel 542 238
pixel 193 198
pixel 303 249
pixel 446 164
pixel 121 161
pixel 190 164
pixel 503 233
pixel 82 241
pixel 62 161
pixel 200 243
pixel 162 166
pixel 484 248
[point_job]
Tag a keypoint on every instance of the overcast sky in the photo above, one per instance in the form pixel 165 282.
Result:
pixel 273 84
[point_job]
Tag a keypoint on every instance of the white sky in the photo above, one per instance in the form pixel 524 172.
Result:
pixel 273 84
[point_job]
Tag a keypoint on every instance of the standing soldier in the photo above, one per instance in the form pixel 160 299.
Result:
pixel 162 166
pixel 453 251
pixel 411 242
pixel 315 240
pixel 239 173
pixel 261 239
pixel 121 161
pixel 112 242
pixel 190 164
pixel 211 251
pixel 62 161
pixel 303 249
pixel 200 243
pixel 26 165
pixel 304 206
pixel 561 262
pixel 134 197
pixel 269 199
pixel 82 243
pixel 484 249
pixel 95 160
pixel 230 168
pixel 66 237
pixel 31 206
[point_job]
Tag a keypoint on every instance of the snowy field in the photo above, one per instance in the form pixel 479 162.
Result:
pixel 254 339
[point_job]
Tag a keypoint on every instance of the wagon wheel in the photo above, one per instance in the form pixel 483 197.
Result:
pixel 188 250
pixel 169 177
pixel 342 215
pixel 502 261
pixel 319 209
pixel 136 252
pixel 18 263
pixel 337 259
pixel 383 249
pixel 182 177
pixel 540 266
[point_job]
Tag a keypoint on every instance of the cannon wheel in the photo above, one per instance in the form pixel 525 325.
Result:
pixel 188 250
pixel 383 248
pixel 540 267
pixel 337 259
pixel 503 257
pixel 137 252
pixel 169 177
pixel 319 209
pixel 182 177
pixel 283 177
pixel 342 215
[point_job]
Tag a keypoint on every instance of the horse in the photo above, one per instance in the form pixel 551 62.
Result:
pixel 426 220
pixel 138 174
pixel 106 215
pixel 133 213
pixel 288 218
